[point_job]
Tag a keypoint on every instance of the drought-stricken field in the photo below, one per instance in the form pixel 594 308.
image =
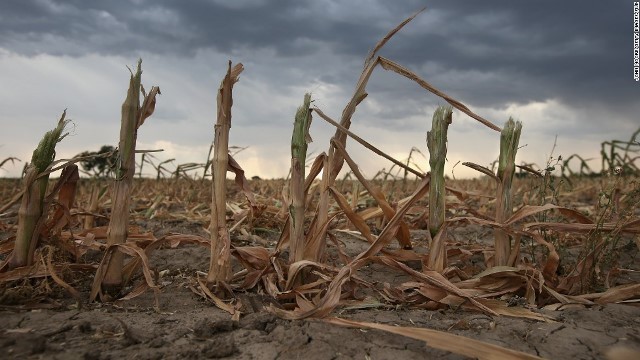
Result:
pixel 525 262
pixel 557 301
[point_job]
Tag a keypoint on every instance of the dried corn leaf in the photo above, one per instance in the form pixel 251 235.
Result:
pixel 130 249
pixel 630 227
pixel 501 308
pixel 148 104
pixel 66 197
pixel 351 215
pixel 334 291
pixel 207 294
pixel 390 65
pixel 252 257
pixel 619 293
pixel 365 144
pixel 482 169
pixel 38 270
pixel 243 184
pixel 403 233
pixel 52 272
pixel 434 279
pixel 442 340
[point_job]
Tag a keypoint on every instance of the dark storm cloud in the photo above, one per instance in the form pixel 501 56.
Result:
pixel 488 53
pixel 575 51
pixel 117 27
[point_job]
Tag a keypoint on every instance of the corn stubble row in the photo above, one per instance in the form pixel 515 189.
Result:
pixel 308 213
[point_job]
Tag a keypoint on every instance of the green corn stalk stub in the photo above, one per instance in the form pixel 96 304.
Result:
pixel 301 137
pixel 44 154
pixel 299 140
pixel 509 140
pixel 437 144
pixel 35 189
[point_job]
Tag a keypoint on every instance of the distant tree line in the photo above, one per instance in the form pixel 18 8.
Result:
pixel 99 163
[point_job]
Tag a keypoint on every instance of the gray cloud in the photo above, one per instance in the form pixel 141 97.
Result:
pixel 567 50
pixel 490 54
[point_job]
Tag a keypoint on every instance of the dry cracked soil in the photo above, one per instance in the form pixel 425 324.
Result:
pixel 187 327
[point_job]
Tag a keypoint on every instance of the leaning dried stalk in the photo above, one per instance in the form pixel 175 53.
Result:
pixel 133 116
pixel 219 264
pixel 437 144
pixel 366 144
pixel 299 142
pixel 360 94
pixel 335 161
pixel 207 163
pixel 509 139
pixel 403 235
pixel 35 187
pixel 397 68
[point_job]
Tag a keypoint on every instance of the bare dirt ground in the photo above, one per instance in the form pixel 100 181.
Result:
pixel 188 327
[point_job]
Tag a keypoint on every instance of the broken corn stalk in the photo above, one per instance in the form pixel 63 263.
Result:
pixel 509 139
pixel 35 187
pixel 133 116
pixel 219 263
pixel 437 144
pixel 299 141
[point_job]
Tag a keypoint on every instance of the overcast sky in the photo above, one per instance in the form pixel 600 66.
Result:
pixel 561 67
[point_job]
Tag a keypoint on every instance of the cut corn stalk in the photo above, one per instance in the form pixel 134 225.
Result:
pixel 35 187
pixel 133 116
pixel 437 144
pixel 219 263
pixel 299 142
pixel 509 139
